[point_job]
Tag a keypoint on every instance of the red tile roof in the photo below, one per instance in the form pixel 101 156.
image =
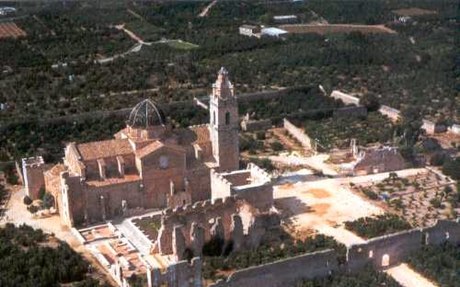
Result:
pixel 103 149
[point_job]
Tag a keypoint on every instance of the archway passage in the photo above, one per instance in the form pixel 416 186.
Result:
pixel 385 260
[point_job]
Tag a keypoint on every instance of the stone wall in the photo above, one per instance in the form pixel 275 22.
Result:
pixel 252 184
pixel 385 250
pixel 345 98
pixel 431 127
pixel 248 125
pixel 298 134
pixel 185 230
pixel 359 111
pixel 181 274
pixel 284 272
pixel 390 112
pixel 197 218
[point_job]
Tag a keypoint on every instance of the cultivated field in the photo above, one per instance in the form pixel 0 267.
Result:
pixel 420 199
pixel 337 28
pixel 10 30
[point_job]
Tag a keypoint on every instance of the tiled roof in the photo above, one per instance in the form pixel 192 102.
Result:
pixel 156 145
pixel 149 149
pixel 194 134
pixel 103 149
pixel 56 169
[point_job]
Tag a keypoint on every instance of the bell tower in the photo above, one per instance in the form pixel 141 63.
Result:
pixel 223 109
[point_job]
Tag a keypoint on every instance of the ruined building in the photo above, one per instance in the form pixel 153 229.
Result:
pixel 147 165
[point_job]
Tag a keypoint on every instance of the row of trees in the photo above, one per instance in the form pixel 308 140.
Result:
pixel 368 227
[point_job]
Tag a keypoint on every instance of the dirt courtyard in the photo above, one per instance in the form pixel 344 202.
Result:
pixel 322 206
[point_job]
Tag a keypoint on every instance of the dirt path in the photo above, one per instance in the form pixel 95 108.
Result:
pixel 205 11
pixel 407 277
pixel 135 15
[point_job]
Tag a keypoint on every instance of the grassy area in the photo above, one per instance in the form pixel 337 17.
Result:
pixel 181 45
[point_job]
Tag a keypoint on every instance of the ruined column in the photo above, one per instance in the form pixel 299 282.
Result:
pixel 217 229
pixel 197 238
pixel 178 243
pixel 196 263
pixel 237 234
pixel 165 238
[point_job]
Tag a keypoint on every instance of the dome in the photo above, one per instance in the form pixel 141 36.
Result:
pixel 146 114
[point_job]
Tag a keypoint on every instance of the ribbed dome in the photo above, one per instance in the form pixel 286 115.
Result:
pixel 146 114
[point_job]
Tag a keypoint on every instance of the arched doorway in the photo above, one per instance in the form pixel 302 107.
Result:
pixel 385 260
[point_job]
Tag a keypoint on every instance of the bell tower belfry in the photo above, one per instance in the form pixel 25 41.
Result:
pixel 223 109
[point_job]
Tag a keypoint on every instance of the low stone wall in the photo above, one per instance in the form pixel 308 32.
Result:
pixel 345 98
pixel 359 111
pixel 298 134
pixel 282 272
pixel 256 125
pixel 181 274
pixel 390 112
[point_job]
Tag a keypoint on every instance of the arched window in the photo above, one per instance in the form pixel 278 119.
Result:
pixel 227 118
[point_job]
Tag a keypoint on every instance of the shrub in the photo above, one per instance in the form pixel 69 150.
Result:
pixel 27 200
pixel 260 135
pixel 276 146
pixel 370 194
pixel 369 227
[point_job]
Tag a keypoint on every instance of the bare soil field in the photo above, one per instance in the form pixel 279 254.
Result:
pixel 336 28
pixel 414 12
pixel 11 30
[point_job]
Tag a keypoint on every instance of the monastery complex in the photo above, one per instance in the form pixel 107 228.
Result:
pixel 149 165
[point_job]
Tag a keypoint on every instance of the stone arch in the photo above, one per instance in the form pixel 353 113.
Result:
pixel 385 260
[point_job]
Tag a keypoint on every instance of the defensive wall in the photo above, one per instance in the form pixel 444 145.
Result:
pixel 283 272
pixel 381 252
